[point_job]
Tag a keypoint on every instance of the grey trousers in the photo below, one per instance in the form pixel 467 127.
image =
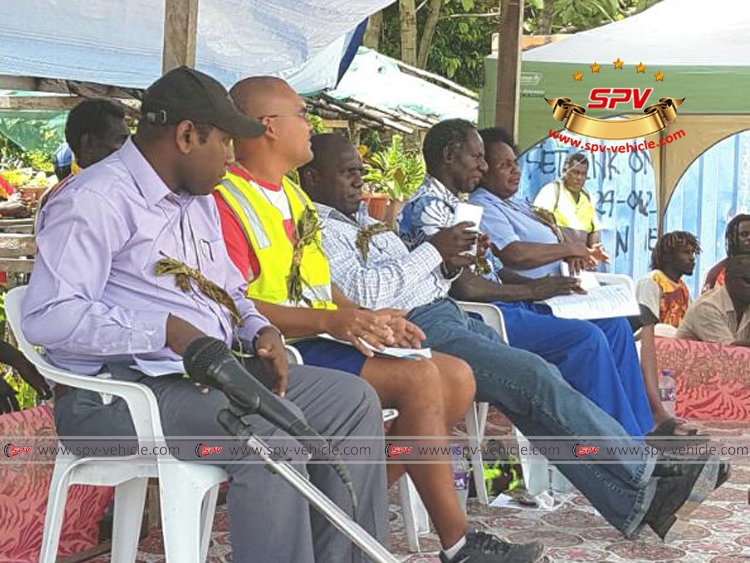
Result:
pixel 270 521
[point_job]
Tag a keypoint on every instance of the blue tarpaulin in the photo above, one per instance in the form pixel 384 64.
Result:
pixel 120 43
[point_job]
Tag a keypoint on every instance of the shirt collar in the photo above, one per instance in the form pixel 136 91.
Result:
pixel 152 187
pixel 435 184
pixel 326 212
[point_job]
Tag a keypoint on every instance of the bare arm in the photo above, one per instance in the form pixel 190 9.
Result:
pixel 508 276
pixel 525 255
pixel 594 238
pixel 469 287
pixel 341 300
pixel 295 322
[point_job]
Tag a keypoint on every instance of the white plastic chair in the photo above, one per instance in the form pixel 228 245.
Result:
pixel 534 467
pixel 416 519
pixel 188 491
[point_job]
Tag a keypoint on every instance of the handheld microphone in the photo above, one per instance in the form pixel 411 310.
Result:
pixel 210 362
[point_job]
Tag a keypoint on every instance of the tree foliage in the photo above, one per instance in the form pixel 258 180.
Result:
pixel 463 34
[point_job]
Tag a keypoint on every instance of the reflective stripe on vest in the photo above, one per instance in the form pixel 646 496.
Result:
pixel 264 229
pixel 251 216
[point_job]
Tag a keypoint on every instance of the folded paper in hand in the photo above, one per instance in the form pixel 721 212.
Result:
pixel 402 353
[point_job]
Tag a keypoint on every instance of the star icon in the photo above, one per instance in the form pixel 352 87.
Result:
pixel 659 77
pixel 578 76
pixel 618 63
pixel 595 68
pixel 640 68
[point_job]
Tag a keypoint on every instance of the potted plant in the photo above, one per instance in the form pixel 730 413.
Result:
pixel 393 175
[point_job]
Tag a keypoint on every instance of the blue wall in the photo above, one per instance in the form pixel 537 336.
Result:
pixel 621 186
pixel 714 189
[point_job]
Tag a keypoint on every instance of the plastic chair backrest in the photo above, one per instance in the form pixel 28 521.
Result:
pixel 141 402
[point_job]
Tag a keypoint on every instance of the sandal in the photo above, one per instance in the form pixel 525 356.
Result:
pixel 664 436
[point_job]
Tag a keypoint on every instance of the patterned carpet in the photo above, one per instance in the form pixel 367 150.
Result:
pixel 719 531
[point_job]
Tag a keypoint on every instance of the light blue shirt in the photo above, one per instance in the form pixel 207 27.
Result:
pixel 511 221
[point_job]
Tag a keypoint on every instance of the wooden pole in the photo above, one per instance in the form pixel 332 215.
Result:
pixel 509 66
pixel 180 28
pixel 408 20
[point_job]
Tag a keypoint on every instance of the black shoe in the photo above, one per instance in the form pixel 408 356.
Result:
pixel 484 548
pixel 667 466
pixel 679 491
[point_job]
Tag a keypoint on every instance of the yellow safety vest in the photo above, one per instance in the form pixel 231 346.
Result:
pixel 263 225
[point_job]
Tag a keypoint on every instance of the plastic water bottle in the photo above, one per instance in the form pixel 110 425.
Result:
pixel 667 390
pixel 461 473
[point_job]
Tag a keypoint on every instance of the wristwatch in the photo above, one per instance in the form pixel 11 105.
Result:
pixel 257 335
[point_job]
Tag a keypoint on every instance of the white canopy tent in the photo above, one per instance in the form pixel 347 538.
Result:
pixel 671 33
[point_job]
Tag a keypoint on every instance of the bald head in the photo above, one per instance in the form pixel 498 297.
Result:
pixel 286 142
pixel 255 96
pixel 334 176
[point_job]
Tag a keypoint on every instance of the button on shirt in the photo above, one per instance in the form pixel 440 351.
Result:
pixel 94 297
pixel 391 276
pixel 712 318
pixel 512 221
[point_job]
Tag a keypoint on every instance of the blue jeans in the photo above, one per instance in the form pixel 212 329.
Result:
pixel 533 394
pixel 598 358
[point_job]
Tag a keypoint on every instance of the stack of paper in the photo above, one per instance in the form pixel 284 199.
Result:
pixel 602 302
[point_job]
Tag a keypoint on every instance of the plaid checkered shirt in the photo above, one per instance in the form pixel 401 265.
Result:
pixel 391 277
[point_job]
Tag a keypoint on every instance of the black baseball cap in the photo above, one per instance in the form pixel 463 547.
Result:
pixel 187 94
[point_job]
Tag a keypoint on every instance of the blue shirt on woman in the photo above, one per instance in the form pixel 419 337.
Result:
pixel 514 220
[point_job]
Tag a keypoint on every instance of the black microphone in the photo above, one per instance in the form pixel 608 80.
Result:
pixel 210 362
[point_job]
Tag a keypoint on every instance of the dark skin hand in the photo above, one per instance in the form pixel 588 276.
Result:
pixel 405 334
pixel 270 349
pixel 28 372
pixel 544 288
pixel 452 242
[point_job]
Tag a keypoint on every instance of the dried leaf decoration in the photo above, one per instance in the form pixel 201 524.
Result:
pixel 185 276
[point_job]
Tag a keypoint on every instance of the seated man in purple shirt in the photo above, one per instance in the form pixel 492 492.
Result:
pixel 97 303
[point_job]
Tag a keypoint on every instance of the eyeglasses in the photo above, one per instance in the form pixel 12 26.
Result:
pixel 303 115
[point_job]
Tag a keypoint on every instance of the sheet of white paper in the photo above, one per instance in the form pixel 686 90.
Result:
pixel 603 302
pixel 545 501
pixel 157 368
pixel 472 213
pixel 402 353
pixel 588 279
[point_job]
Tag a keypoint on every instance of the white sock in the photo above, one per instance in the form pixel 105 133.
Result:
pixel 451 552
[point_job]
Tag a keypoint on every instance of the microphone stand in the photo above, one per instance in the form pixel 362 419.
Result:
pixel 340 519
